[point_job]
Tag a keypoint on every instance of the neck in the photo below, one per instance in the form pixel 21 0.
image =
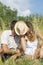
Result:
pixel 13 33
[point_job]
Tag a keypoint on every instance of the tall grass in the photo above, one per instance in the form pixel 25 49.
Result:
pixel 24 61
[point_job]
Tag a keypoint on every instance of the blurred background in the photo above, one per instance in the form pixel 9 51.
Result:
pixel 27 10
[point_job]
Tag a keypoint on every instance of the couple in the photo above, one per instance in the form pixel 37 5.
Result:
pixel 21 38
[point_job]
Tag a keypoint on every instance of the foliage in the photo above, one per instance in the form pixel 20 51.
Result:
pixel 6 15
pixel 22 61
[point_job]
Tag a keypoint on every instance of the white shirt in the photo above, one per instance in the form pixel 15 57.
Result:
pixel 9 40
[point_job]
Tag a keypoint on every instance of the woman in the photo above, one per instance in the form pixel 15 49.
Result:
pixel 30 43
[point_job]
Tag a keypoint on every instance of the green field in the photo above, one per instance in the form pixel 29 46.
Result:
pixel 21 61
pixel 6 16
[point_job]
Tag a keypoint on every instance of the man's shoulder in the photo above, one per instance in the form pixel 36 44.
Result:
pixel 6 32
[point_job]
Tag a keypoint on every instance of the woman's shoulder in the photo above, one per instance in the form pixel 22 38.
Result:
pixel 37 33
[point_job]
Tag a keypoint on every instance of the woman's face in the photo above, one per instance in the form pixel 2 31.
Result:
pixel 29 32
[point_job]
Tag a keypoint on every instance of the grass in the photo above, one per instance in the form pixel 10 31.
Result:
pixel 22 60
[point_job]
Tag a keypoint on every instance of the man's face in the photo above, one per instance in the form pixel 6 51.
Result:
pixel 13 32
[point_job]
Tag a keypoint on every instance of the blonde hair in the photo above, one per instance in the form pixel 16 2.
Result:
pixel 31 33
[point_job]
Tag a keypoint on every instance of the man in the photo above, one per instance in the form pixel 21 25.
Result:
pixel 10 41
pixel 1 50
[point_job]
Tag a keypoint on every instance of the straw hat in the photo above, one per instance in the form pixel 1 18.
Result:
pixel 20 26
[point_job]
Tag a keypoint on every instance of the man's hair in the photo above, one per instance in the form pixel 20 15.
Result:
pixel 13 24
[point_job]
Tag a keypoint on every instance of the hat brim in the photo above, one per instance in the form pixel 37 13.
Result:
pixel 22 24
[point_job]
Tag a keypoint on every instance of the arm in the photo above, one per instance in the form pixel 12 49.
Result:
pixel 39 35
pixel 7 50
pixel 23 43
